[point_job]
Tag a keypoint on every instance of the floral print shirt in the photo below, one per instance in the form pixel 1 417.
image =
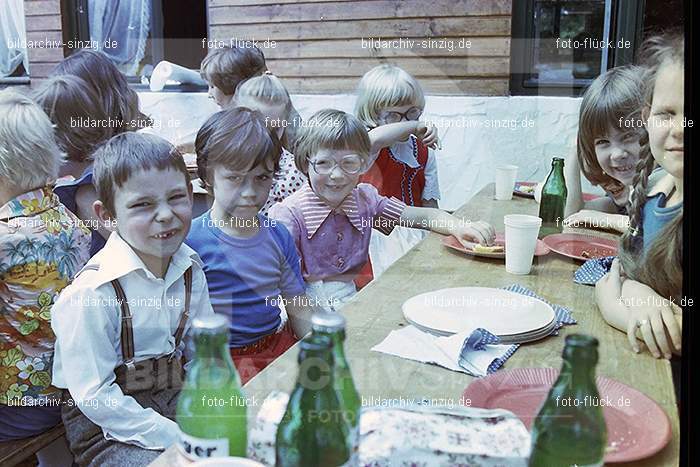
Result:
pixel 42 247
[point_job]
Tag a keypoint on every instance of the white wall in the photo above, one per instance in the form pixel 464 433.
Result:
pixel 477 133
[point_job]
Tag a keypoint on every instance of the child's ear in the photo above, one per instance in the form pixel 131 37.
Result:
pixel 104 216
pixel 646 111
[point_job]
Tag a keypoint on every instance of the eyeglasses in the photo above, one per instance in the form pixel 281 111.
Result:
pixel 395 117
pixel 351 165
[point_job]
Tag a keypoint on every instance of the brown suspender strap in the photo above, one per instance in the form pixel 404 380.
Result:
pixel 127 334
pixel 186 312
pixel 127 337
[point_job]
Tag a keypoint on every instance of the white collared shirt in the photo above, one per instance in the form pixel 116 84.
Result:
pixel 87 322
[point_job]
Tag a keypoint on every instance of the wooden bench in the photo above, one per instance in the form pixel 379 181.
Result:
pixel 16 451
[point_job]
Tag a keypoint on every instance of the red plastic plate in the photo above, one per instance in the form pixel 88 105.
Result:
pixel 451 242
pixel 637 426
pixel 580 246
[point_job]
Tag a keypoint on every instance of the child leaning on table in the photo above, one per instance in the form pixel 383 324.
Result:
pixel 608 146
pixel 42 247
pixel 268 95
pixel 331 217
pixel 121 326
pixel 641 294
pixel 249 260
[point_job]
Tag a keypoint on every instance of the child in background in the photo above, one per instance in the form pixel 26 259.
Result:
pixel 641 293
pixel 119 103
pixel 77 112
pixel 405 168
pixel 250 261
pixel 267 94
pixel 122 325
pixel 331 218
pixel 224 68
pixel 608 148
pixel 42 247
pixel 389 103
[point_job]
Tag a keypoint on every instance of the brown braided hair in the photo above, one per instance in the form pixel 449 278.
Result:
pixel 660 268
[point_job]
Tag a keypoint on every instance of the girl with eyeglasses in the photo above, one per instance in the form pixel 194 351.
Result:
pixel 390 102
pixel 332 218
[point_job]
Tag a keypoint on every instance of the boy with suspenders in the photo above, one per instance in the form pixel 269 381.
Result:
pixel 121 325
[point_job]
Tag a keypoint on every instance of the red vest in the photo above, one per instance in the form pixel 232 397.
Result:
pixel 392 177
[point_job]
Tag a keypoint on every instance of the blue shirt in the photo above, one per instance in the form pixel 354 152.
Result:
pixel 66 193
pixel 655 215
pixel 246 276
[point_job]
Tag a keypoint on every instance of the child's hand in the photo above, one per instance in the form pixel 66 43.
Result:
pixel 476 232
pixel 597 220
pixel 654 317
pixel 428 135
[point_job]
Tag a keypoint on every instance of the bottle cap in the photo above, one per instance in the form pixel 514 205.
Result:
pixel 211 324
pixel 581 340
pixel 325 321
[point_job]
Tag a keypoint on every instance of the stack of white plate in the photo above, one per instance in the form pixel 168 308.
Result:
pixel 513 317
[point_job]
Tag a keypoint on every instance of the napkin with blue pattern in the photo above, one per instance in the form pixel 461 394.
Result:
pixel 474 351
pixel 593 270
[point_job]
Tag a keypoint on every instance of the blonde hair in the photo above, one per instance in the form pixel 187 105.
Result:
pixel 69 102
pixel 386 86
pixel 614 97
pixel 330 129
pixel 269 90
pixel 29 155
pixel 226 67
pixel 660 268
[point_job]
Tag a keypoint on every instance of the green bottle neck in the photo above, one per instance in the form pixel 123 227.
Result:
pixel 338 340
pixel 578 369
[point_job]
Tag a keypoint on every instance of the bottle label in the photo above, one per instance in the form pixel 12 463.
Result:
pixel 196 449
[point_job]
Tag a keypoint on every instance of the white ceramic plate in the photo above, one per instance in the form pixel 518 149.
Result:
pixel 504 313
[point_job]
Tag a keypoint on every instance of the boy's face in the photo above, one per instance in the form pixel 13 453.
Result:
pixel 153 213
pixel 241 193
pixel 221 99
pixel 331 174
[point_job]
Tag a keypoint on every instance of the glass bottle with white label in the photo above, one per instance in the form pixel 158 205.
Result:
pixel 211 410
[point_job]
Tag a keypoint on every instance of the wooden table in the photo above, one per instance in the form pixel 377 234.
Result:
pixel 376 311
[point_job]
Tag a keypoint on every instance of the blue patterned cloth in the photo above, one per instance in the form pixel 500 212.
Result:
pixel 480 338
pixel 593 270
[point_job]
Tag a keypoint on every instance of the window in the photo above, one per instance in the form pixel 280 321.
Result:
pixel 14 64
pixel 560 46
pixel 138 34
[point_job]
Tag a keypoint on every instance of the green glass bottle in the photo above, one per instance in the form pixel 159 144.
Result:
pixel 332 325
pixel 553 200
pixel 569 428
pixel 313 431
pixel 211 409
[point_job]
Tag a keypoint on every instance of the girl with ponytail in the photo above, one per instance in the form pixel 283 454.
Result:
pixel 642 292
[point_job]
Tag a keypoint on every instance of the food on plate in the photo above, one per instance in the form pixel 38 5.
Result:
pixel 526 188
pixel 488 249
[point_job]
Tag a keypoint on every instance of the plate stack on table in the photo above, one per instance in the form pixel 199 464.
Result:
pixel 513 317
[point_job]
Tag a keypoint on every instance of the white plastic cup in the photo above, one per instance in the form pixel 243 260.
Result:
pixel 521 240
pixel 505 181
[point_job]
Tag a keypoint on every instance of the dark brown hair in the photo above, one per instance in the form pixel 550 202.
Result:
pixel 72 105
pixel 235 138
pixel 614 97
pixel 128 153
pixel 661 267
pixel 119 101
pixel 226 67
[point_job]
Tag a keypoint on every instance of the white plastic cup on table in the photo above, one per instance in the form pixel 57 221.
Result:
pixel 505 181
pixel 521 240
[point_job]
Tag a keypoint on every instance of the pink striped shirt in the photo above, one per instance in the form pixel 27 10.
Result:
pixel 334 243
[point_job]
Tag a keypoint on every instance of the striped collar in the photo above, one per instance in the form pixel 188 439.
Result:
pixel 315 210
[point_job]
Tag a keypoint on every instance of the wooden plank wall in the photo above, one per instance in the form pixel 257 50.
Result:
pixel 319 43
pixel 43 22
